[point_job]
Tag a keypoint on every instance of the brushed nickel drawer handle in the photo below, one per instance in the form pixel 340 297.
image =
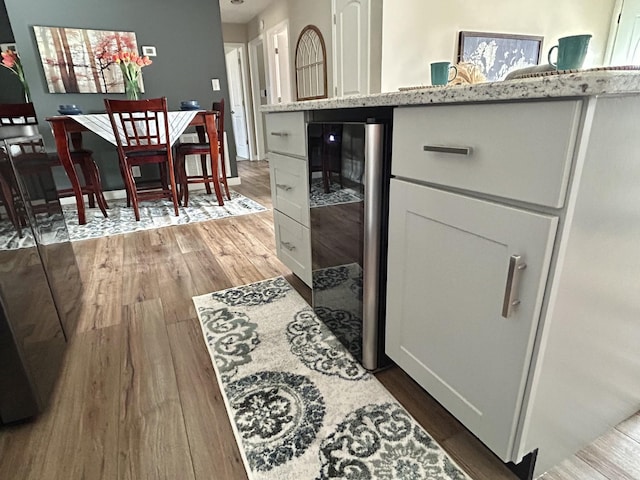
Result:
pixel 289 246
pixel 284 187
pixel 516 265
pixel 454 150
pixel 280 134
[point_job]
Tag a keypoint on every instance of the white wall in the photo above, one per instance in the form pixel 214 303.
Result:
pixel 234 33
pixel 418 32
pixel 311 12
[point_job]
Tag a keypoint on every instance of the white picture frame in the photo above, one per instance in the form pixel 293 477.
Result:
pixel 148 50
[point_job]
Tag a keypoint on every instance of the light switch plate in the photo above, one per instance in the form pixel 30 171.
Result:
pixel 215 84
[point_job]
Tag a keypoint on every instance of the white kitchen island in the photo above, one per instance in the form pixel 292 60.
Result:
pixel 514 254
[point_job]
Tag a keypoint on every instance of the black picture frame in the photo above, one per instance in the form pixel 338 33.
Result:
pixel 497 54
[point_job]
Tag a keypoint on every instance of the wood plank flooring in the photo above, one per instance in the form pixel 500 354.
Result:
pixel 137 397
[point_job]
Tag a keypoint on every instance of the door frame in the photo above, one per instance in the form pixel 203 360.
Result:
pixel 613 31
pixel 248 105
pixel 258 122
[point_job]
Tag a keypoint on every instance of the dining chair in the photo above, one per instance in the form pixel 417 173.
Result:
pixel 19 119
pixel 203 149
pixel 141 128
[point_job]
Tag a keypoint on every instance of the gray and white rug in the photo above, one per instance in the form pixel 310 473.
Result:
pixel 337 195
pixel 121 219
pixel 300 406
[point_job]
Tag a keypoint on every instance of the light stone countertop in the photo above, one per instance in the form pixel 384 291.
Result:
pixel 554 86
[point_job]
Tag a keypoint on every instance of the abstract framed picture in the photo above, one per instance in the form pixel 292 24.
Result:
pixel 77 60
pixel 497 54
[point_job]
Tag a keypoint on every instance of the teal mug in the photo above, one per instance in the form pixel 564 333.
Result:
pixel 571 52
pixel 440 72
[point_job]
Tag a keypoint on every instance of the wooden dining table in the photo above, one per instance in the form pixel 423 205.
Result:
pixel 65 128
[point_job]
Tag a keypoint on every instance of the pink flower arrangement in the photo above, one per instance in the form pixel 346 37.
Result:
pixel 11 60
pixel 130 65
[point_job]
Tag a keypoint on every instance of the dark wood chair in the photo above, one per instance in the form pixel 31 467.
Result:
pixel 325 152
pixel 141 128
pixel 22 117
pixel 203 149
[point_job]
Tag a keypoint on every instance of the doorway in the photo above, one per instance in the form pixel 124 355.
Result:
pixel 351 45
pixel 625 44
pixel 279 64
pixel 239 104
pixel 259 89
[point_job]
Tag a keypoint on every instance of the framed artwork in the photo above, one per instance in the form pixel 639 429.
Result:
pixel 497 54
pixel 77 60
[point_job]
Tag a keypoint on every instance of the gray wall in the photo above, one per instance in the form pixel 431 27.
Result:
pixel 187 35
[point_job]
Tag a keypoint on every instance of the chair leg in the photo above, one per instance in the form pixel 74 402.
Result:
pixel 205 173
pixel 93 176
pixel 223 171
pixel 174 194
pixel 131 190
pixel 182 180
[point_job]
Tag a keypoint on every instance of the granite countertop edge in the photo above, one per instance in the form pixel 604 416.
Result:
pixel 554 86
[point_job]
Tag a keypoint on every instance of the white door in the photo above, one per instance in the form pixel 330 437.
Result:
pixel 448 276
pixel 279 63
pixel 626 49
pixel 351 46
pixel 259 91
pixel 236 100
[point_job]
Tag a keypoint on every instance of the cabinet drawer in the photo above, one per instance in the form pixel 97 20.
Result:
pixel 286 133
pixel 293 245
pixel 520 151
pixel 290 186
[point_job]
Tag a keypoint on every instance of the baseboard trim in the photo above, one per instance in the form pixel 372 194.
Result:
pixel 119 194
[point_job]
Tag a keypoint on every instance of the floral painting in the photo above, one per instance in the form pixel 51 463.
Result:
pixel 77 60
pixel 496 54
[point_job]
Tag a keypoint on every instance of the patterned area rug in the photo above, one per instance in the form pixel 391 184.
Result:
pixel 336 195
pixel 301 407
pixel 153 214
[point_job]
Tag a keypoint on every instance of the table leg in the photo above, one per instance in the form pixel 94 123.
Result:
pixel 62 145
pixel 212 132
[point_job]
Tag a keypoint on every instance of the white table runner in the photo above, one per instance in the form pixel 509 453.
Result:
pixel 99 124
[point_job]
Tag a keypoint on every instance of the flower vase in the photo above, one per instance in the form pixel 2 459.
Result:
pixel 26 93
pixel 132 89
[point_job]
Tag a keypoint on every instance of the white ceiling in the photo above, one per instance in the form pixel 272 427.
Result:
pixel 242 13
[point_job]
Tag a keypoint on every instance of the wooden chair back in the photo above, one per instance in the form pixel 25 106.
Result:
pixel 19 114
pixel 219 107
pixel 140 125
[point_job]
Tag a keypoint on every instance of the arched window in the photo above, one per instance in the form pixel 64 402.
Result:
pixel 311 59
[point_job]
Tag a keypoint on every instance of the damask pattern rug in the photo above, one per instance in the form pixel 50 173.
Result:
pixel 336 195
pixel 300 406
pixel 121 219
pixel 155 214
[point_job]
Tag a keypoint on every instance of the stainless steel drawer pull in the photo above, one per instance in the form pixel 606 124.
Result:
pixel 284 187
pixel 455 150
pixel 516 265
pixel 280 134
pixel 289 246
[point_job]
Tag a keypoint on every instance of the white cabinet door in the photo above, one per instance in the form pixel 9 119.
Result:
pixel 448 273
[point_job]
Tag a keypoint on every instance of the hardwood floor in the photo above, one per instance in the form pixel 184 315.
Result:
pixel 137 397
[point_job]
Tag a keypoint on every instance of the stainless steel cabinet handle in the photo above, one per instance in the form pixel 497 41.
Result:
pixel 289 246
pixel 516 265
pixel 280 134
pixel 284 187
pixel 440 149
